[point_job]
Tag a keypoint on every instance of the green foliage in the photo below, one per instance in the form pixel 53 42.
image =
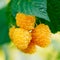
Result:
pixel 33 7
pixel 58 56
pixel 3 27
pixel 53 8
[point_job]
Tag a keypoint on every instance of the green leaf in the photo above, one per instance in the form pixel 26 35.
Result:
pixel 53 8
pixel 6 19
pixel 4 38
pixel 32 7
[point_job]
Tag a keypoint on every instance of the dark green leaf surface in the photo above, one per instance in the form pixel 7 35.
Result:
pixel 33 7
pixel 4 38
pixel 53 7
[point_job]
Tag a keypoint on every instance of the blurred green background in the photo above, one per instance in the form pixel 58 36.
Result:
pixel 8 10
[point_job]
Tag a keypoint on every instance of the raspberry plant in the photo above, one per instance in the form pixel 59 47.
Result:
pixel 44 10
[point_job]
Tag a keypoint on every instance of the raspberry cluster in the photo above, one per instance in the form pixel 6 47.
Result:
pixel 26 37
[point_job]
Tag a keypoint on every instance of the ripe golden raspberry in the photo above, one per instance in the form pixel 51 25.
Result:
pixel 21 38
pixel 41 35
pixel 25 21
pixel 11 30
pixel 30 49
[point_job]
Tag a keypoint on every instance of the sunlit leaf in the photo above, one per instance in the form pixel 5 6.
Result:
pixel 33 7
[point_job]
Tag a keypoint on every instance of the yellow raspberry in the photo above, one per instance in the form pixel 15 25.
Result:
pixel 11 30
pixel 21 38
pixel 30 49
pixel 25 21
pixel 41 35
